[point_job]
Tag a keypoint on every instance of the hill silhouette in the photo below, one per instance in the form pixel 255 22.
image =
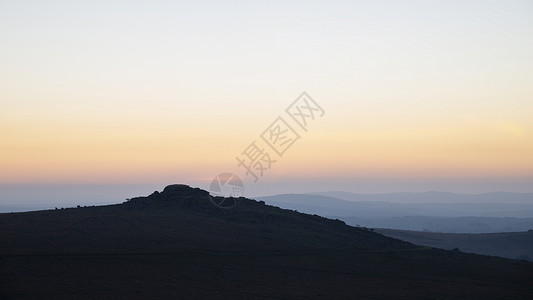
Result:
pixel 176 243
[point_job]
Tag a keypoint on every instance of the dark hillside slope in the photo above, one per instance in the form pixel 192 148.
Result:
pixel 178 244
pixel 516 245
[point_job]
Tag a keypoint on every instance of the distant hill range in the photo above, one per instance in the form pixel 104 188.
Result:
pixel 434 197
pixel 434 211
pixel 177 244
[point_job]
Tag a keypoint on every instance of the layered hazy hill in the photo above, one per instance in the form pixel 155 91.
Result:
pixel 434 197
pixel 432 211
pixel 410 204
pixel 176 243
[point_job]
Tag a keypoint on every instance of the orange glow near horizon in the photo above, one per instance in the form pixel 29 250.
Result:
pixel 121 156
pixel 431 91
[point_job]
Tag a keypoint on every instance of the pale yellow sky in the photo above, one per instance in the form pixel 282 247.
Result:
pixel 163 92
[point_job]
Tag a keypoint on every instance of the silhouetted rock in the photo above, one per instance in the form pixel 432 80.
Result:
pixel 182 190
pixel 180 195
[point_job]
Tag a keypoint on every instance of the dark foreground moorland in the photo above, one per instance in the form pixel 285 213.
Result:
pixel 176 244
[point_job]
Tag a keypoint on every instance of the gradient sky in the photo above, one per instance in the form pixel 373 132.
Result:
pixel 121 92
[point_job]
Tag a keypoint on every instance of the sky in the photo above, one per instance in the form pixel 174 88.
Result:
pixel 416 95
